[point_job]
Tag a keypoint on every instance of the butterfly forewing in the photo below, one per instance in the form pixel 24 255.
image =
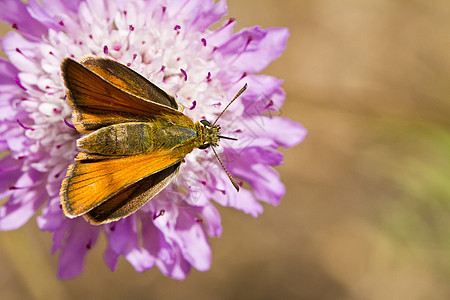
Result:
pixel 120 76
pixel 100 103
pixel 89 184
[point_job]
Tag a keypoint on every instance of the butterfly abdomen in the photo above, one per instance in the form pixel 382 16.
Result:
pixel 135 138
pixel 119 139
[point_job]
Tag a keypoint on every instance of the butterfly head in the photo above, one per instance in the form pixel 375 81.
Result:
pixel 209 134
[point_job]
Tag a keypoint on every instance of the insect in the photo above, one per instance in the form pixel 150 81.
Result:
pixel 134 139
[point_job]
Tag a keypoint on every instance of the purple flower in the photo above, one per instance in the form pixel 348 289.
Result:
pixel 169 43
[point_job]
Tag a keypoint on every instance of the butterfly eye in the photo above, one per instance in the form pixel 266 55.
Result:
pixel 204 146
pixel 205 123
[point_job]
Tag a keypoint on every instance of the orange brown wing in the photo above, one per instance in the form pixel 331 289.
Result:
pixel 128 80
pixel 130 199
pixel 98 102
pixel 91 180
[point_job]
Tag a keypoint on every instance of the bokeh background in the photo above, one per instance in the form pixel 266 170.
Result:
pixel 366 213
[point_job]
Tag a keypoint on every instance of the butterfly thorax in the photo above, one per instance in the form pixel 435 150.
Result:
pixel 207 134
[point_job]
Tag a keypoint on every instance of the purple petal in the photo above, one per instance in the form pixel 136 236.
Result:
pixel 15 215
pixel 195 246
pixel 80 237
pixel 123 239
pixel 54 178
pixel 223 34
pixel 203 13
pixel 159 240
pixel 59 235
pixel 140 259
pixel 16 141
pixel 61 6
pixel 6 111
pixel 7 74
pixel 27 180
pixel 111 258
pixel 211 219
pixel 252 155
pixel 118 234
pixel 245 202
pixel 267 131
pixel 10 171
pixel 150 236
pixel 20 51
pixel 21 206
pixel 8 90
pixel 253 165
pixel 225 194
pixel 16 13
pixel 176 267
pixel 43 15
pixel 263 93
pixel 52 217
pixel 252 49
pixel 265 182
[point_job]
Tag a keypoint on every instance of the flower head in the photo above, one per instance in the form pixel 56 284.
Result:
pixel 169 43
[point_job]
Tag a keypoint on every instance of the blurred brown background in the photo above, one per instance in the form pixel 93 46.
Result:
pixel 366 214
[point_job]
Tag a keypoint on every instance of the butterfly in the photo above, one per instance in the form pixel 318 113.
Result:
pixel 134 138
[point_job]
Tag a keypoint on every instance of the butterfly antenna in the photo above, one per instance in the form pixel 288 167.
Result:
pixel 235 97
pixel 236 186
pixel 227 138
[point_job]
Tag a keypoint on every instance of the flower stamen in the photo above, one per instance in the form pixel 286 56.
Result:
pixel 23 126
pixel 17 80
pixel 160 214
pixel 184 73
pixel 68 124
